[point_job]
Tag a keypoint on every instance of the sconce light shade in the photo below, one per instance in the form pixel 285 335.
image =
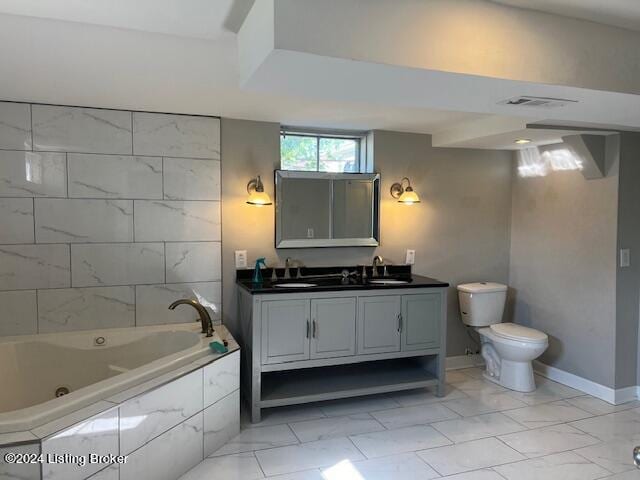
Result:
pixel 257 195
pixel 405 195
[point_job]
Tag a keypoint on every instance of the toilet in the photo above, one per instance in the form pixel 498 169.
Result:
pixel 507 348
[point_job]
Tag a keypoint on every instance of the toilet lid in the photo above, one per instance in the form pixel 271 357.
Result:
pixel 514 331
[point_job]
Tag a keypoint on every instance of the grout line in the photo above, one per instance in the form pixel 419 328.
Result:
pixel 131 112
pixel 253 452
pixel 34 219
pixel 135 306
pixel 31 121
pixel 70 268
pixel 294 432
pixel 66 166
pixel 37 314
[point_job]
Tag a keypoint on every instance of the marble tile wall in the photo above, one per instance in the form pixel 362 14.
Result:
pixel 106 216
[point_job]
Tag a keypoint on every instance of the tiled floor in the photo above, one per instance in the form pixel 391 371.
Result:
pixel 479 431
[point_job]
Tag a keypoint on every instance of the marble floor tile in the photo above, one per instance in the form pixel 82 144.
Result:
pixel 482 426
pixel 478 386
pixel 478 403
pixel 615 456
pixel 416 415
pixel 561 466
pixel 253 439
pixel 546 391
pixel 332 427
pixel 406 467
pixel 294 458
pixel 278 416
pixel 620 425
pixel 457 376
pixel 339 408
pixel 547 414
pixel 600 407
pixel 423 396
pixel 314 474
pixel 630 475
pixel 473 372
pixel 243 466
pixel 484 474
pixel 548 440
pixel 474 455
pixel 401 440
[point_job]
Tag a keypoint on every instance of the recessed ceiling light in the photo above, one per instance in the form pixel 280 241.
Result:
pixel 522 141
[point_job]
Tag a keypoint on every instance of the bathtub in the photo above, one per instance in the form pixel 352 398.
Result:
pixel 147 402
pixel 89 365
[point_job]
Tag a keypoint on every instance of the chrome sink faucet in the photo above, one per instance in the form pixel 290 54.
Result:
pixel 205 319
pixel 377 260
pixel 288 263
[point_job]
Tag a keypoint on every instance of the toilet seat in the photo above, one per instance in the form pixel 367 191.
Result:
pixel 513 331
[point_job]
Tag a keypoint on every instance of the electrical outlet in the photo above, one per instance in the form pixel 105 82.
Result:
pixel 241 259
pixel 310 233
pixel 625 257
pixel 410 258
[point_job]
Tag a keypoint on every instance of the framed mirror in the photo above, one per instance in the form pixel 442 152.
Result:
pixel 317 209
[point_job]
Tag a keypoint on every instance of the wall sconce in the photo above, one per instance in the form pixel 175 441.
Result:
pixel 406 194
pixel 257 195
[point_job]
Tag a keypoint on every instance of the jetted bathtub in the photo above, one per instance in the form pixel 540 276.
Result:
pixel 89 365
pixel 145 402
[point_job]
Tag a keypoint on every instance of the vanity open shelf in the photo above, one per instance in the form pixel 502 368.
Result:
pixel 343 381
pixel 339 340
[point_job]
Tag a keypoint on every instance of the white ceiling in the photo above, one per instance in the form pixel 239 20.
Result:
pixel 619 13
pixel 207 19
pixel 181 56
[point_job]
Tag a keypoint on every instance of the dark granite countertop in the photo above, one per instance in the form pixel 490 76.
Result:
pixel 327 279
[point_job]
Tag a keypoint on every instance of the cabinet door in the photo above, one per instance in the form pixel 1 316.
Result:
pixel 333 327
pixel 421 317
pixel 378 324
pixel 285 331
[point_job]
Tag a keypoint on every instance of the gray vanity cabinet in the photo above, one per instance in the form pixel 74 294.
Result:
pixel 333 327
pixel 379 324
pixel 286 327
pixel 420 323
pixel 310 346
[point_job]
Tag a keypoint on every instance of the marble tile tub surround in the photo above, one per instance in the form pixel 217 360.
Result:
pixel 165 426
pixel 559 433
pixel 106 217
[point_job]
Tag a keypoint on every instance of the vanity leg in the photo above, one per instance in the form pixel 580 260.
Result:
pixel 256 414
pixel 442 387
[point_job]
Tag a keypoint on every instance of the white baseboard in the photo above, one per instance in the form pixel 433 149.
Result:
pixel 594 389
pixel 464 361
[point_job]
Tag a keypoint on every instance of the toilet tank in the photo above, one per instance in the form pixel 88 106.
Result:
pixel 482 303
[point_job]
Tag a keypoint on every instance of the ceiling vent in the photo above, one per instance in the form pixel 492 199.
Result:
pixel 538 102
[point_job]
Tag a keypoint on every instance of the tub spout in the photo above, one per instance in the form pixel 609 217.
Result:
pixel 205 319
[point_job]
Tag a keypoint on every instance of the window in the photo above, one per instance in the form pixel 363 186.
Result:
pixel 310 152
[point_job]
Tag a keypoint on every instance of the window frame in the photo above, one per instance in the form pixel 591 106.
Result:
pixel 359 137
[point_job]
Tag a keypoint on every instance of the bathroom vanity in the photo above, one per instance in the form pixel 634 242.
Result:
pixel 338 336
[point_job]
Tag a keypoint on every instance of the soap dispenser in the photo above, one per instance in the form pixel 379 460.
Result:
pixel 257 273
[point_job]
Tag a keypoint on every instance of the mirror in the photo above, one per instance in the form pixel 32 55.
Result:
pixel 317 209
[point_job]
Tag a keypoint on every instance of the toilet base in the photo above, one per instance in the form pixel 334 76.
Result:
pixel 516 376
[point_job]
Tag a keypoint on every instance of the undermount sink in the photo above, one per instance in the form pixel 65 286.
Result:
pixel 295 285
pixel 387 281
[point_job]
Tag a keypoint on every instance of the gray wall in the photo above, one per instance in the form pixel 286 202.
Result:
pixel 460 231
pixel 628 278
pixel 563 268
